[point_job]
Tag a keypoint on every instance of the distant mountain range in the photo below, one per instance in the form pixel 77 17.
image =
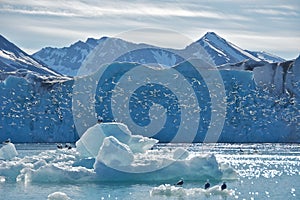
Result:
pixel 68 60
pixel 13 59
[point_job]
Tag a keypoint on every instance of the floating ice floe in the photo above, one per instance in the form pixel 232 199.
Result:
pixel 109 152
pixel 2 179
pixel 170 190
pixel 123 157
pixel 8 151
pixel 58 196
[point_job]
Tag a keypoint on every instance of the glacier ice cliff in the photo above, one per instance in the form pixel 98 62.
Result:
pixel 261 103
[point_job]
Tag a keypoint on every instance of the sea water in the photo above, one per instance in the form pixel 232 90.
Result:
pixel 265 171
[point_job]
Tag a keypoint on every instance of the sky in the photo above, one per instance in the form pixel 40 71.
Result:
pixel 258 25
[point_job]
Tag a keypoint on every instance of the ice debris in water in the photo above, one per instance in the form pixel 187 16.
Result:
pixel 2 179
pixel 58 196
pixel 109 152
pixel 170 190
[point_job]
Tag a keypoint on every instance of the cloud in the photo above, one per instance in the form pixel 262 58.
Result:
pixel 289 9
pixel 37 12
pixel 274 12
pixel 81 9
pixel 153 36
pixel 59 23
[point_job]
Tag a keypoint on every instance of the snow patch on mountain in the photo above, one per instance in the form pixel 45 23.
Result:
pixel 67 60
pixel 13 58
pixel 266 56
pixel 211 47
pixel 164 58
pixel 222 51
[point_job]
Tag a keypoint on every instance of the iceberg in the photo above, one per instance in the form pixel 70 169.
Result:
pixel 121 157
pixel 8 151
pixel 153 167
pixel 90 142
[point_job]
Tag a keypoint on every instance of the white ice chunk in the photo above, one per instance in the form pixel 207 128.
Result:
pixel 140 144
pixel 228 172
pixel 2 179
pixel 170 190
pixel 58 196
pixel 148 168
pixel 8 151
pixel 114 153
pixel 57 173
pixel 180 153
pixel 91 141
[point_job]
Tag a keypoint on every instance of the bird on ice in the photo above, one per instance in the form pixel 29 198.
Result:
pixel 223 186
pixel 7 141
pixel 59 146
pixel 207 185
pixel 68 146
pixel 180 182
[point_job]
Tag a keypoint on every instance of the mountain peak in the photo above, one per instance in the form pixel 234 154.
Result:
pixel 92 42
pixel 223 51
pixel 212 36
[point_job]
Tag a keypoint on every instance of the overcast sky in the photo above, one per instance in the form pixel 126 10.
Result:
pixel 267 25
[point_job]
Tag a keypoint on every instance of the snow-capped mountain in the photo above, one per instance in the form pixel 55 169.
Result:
pixel 67 60
pixel 13 59
pixel 266 56
pixel 222 51
pixel 212 47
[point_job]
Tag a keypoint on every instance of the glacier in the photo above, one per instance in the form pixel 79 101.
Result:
pixel 259 107
pixel 34 109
